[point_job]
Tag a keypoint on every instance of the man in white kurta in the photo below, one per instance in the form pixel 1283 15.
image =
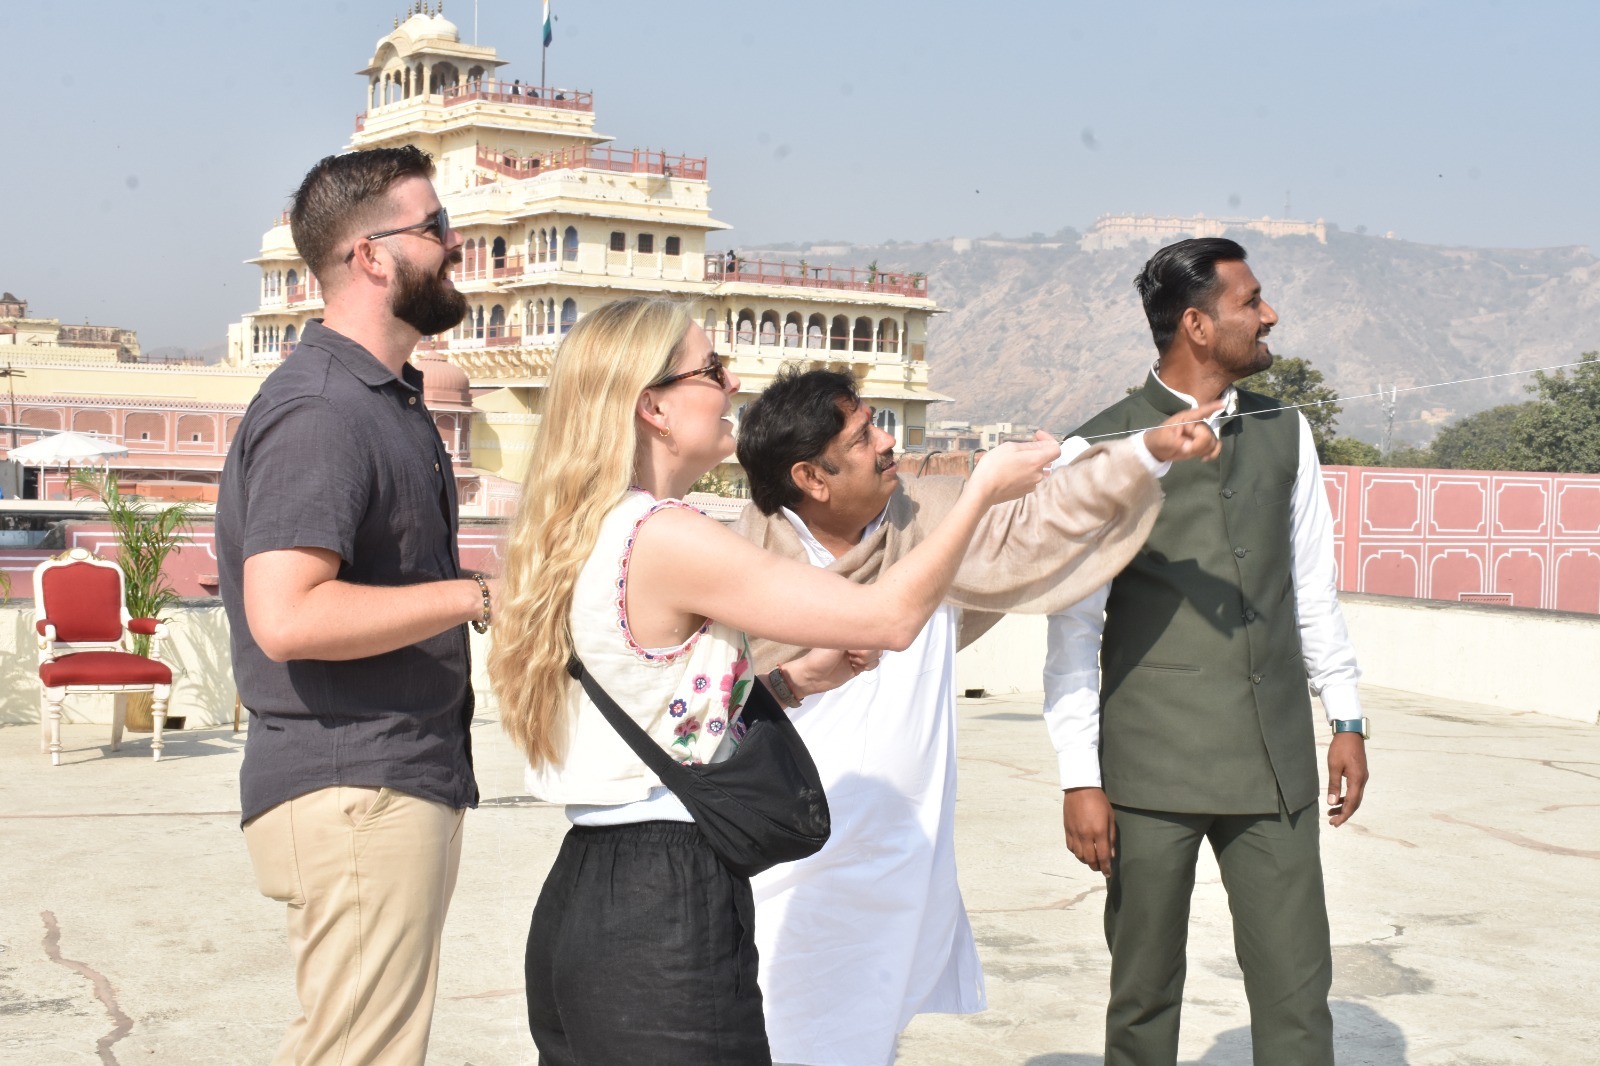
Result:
pixel 871 931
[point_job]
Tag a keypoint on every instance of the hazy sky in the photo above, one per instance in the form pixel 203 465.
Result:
pixel 148 143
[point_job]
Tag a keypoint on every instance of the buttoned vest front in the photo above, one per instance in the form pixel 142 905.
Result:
pixel 1204 701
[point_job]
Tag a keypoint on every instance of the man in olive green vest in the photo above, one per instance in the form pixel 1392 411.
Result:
pixel 1181 713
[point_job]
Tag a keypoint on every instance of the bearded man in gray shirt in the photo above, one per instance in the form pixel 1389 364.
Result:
pixel 336 537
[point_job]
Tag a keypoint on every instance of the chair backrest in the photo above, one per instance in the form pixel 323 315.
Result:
pixel 82 596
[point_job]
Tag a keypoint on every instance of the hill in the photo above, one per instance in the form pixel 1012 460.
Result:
pixel 1043 332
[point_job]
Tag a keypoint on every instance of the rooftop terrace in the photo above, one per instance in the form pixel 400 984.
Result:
pixel 1465 924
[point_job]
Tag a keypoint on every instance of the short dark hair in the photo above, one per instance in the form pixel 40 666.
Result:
pixel 343 196
pixel 1181 276
pixel 792 421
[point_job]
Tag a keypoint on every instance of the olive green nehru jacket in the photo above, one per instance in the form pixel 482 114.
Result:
pixel 1204 701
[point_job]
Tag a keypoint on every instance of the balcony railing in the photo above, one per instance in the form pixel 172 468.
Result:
pixel 775 272
pixel 498 336
pixel 504 92
pixel 498 92
pixel 584 157
pixel 482 268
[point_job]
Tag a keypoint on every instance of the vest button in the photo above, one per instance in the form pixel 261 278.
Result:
pixel 1249 616
pixel 1255 679
pixel 1227 494
pixel 412 400
pixel 1240 552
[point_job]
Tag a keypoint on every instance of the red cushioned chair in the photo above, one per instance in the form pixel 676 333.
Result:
pixel 82 625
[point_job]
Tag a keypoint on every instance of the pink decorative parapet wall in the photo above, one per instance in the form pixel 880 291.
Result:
pixel 1523 540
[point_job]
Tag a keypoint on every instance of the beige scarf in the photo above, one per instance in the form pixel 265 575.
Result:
pixel 1036 555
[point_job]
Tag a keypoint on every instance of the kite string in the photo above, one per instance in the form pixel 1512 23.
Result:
pixel 1360 396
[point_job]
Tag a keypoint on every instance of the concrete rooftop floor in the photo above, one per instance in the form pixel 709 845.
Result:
pixel 1465 904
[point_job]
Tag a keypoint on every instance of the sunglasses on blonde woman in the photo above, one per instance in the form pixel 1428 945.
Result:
pixel 714 370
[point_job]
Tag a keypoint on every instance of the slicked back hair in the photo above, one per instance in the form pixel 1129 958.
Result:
pixel 792 421
pixel 345 196
pixel 1181 276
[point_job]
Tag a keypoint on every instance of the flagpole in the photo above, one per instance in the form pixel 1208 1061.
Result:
pixel 544 48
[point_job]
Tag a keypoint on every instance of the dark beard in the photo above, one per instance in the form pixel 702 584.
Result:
pixel 424 301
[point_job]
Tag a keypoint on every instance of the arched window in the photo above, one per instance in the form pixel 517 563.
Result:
pixel 885 421
pixel 647 244
pixel 290 335
pixel 839 338
pixel 709 324
pixel 816 332
pixel 477 323
pixel 674 246
pixel 619 241
pixel 498 253
pixel 497 321
pixel 863 335
pixel 569 244
pixel 746 332
pixel 569 314
pixel 293 279
pixel 888 335
pixel 791 330
pixel 769 328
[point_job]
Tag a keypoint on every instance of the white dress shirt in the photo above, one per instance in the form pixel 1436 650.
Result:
pixel 1072 662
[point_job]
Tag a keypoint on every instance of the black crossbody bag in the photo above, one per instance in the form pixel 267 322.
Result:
pixel 762 806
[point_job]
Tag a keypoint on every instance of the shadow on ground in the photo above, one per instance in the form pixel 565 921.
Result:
pixel 1360 1035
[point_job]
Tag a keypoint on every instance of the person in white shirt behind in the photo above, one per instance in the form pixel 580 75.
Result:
pixel 1176 696
pixel 871 931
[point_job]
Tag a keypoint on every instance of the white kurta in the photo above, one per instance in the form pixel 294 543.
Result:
pixel 871 930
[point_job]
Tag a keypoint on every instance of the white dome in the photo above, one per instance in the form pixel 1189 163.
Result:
pixel 420 26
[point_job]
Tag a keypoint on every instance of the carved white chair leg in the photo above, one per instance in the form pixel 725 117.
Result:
pixel 119 719
pixel 55 697
pixel 158 718
pixel 44 725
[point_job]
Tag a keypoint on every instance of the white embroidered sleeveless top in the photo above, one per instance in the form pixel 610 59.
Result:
pixel 688 698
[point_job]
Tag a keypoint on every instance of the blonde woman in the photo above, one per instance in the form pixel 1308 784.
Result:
pixel 641 944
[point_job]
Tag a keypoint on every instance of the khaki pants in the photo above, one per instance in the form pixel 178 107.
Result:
pixel 367 874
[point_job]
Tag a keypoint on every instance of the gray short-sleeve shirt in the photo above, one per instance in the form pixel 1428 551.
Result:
pixel 335 452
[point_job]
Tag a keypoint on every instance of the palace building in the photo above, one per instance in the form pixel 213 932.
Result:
pixel 557 221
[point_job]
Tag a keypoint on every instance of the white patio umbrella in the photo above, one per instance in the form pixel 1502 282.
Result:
pixel 64 449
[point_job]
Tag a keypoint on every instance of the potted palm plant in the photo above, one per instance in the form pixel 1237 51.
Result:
pixel 146 535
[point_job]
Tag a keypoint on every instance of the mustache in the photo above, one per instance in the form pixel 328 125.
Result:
pixel 885 461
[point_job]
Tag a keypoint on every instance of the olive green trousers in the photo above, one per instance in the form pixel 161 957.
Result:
pixel 1272 871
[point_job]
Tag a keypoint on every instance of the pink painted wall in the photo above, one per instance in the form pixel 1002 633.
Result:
pixel 1526 540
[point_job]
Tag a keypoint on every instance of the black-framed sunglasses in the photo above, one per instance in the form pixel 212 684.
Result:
pixel 714 370
pixel 438 222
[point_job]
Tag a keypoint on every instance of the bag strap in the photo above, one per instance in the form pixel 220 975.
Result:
pixel 669 770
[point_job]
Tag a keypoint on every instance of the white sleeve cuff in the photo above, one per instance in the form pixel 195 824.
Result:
pixel 1340 702
pixel 1151 463
pixel 1080 768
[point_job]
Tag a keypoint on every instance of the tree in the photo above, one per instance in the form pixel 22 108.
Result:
pixel 1560 432
pixel 1487 440
pixel 1293 382
pixel 1347 451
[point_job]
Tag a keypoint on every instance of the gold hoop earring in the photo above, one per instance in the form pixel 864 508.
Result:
pixel 665 432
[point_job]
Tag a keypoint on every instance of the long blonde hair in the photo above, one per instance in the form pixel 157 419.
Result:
pixel 580 468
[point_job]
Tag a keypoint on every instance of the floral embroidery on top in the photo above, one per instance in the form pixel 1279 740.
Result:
pixel 716 726
pixel 677 707
pixel 687 731
pixel 734 684
pixel 701 682
pixel 622 593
